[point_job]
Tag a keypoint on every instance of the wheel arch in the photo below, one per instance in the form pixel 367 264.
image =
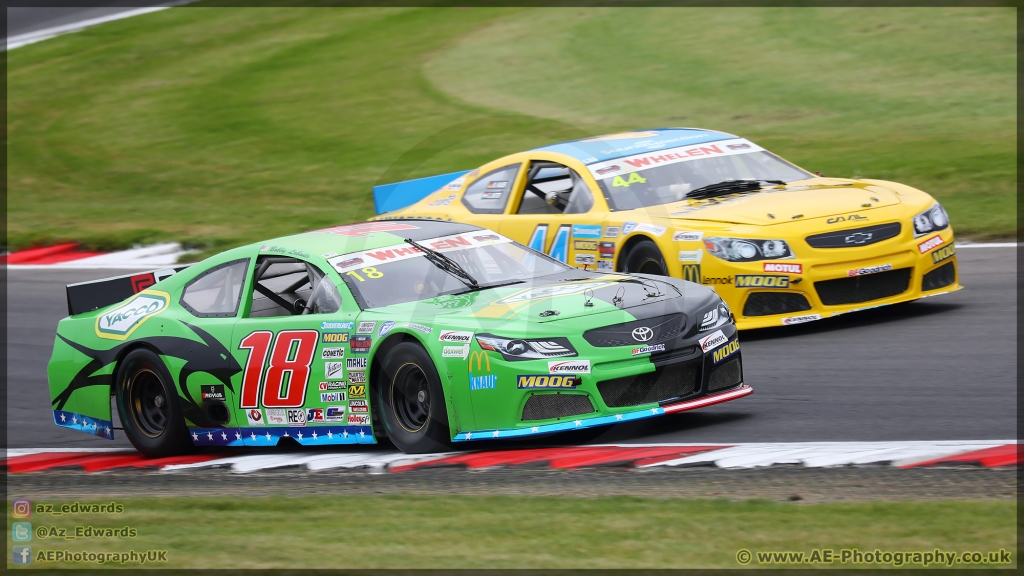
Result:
pixel 629 244
pixel 375 368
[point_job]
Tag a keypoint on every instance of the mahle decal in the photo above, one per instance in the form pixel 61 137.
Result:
pixel 120 322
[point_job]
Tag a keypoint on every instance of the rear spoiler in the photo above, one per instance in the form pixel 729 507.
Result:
pixel 390 197
pixel 95 294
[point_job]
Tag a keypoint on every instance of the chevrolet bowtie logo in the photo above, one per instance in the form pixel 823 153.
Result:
pixel 858 238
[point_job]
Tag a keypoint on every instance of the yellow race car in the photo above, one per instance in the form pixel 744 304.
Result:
pixel 779 244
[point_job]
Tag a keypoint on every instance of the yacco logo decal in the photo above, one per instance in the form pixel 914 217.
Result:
pixel 761 281
pixel 784 267
pixel 335 325
pixel 800 319
pixel 943 253
pixel 726 351
pixel 869 270
pixel 120 322
pixel 453 336
pixel 586 231
pixel 561 381
pixel 671 156
pixel 648 349
pixel 713 340
pixel 569 367
pixel 334 337
pixel 930 243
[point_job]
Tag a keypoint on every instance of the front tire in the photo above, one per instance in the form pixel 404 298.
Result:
pixel 411 402
pixel 148 405
pixel 645 258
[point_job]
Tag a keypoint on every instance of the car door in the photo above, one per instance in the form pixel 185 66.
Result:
pixel 292 342
pixel 552 212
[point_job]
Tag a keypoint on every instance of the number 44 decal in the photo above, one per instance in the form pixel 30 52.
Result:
pixel 559 246
pixel 293 352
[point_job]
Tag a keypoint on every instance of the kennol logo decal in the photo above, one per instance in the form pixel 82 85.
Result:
pixel 713 340
pixel 569 367
pixel 453 336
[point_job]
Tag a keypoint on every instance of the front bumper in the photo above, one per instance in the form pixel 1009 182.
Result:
pixel 831 282
pixel 619 387
pixel 590 422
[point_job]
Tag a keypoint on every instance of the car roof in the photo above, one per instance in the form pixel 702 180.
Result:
pixel 611 146
pixel 362 236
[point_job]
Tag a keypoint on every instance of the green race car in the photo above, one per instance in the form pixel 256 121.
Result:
pixel 424 332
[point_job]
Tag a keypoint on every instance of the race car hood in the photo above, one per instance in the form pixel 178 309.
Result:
pixel 779 205
pixel 587 298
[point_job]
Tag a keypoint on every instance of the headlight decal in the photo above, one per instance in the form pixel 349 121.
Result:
pixel 747 249
pixel 516 349
pixel 931 220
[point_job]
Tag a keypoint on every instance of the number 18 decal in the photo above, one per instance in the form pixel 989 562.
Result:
pixel 292 354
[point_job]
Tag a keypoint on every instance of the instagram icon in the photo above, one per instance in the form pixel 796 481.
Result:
pixel 21 508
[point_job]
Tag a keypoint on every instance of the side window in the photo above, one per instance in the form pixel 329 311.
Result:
pixel 552 188
pixel 284 286
pixel 489 194
pixel 217 291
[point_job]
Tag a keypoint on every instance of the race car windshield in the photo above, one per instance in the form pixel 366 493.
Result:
pixel 671 182
pixel 401 273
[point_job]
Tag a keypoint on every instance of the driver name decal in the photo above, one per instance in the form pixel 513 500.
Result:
pixel 637 162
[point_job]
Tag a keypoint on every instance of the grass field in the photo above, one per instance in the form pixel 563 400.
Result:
pixel 332 531
pixel 223 126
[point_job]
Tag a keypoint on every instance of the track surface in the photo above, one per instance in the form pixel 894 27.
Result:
pixel 24 20
pixel 941 368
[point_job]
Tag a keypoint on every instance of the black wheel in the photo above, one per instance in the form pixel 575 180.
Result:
pixel 645 258
pixel 410 401
pixel 148 405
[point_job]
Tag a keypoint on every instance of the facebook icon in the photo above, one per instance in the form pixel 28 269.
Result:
pixel 22 554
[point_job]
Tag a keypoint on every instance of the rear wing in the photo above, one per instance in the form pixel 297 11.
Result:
pixel 390 197
pixel 95 294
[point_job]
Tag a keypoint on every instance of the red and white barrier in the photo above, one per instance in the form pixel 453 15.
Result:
pixel 74 257
pixel 987 453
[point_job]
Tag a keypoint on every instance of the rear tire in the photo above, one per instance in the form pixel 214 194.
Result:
pixel 148 405
pixel 645 258
pixel 411 402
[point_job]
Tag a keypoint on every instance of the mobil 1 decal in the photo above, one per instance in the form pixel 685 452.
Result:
pixel 559 249
pixel 278 368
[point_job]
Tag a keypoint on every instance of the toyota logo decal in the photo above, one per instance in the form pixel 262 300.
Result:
pixel 643 334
